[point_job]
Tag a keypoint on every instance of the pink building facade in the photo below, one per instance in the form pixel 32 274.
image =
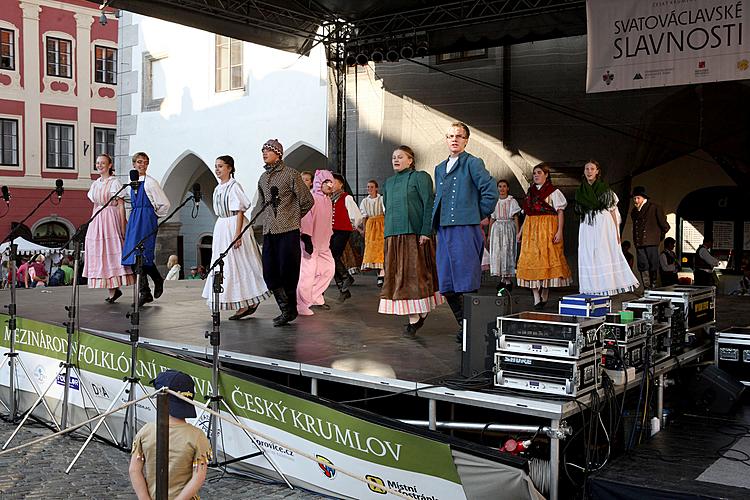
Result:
pixel 58 110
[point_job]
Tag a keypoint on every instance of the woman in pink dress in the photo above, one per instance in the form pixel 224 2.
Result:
pixel 317 266
pixel 105 234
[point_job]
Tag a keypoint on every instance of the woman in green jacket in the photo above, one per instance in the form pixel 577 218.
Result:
pixel 411 284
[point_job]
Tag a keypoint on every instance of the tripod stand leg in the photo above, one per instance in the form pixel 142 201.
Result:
pixel 261 450
pixel 93 403
pixel 96 427
pixel 2 365
pixel 39 399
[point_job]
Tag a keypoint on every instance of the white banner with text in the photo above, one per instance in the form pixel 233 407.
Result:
pixel 635 44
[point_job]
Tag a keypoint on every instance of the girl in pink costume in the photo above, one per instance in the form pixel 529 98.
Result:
pixel 317 266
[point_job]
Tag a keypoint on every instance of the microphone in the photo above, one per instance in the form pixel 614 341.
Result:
pixel 59 189
pixel 274 199
pixel 6 195
pixel 134 181
pixel 197 194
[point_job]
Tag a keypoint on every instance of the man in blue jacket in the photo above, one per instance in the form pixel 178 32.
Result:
pixel 465 194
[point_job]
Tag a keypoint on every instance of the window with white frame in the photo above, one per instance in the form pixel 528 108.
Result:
pixel 104 141
pixel 59 57
pixel 8 142
pixel 105 65
pixel 60 153
pixel 7 49
pixel 228 64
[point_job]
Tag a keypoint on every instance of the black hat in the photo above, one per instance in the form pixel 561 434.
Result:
pixel 181 383
pixel 639 191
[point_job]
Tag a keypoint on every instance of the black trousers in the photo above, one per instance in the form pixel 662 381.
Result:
pixel 704 278
pixel 339 239
pixel 155 275
pixel 648 259
pixel 281 258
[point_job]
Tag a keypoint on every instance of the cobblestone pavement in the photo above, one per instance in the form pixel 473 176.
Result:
pixel 101 473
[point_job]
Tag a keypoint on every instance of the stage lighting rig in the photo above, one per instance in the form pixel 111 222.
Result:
pixel 377 55
pixel 351 58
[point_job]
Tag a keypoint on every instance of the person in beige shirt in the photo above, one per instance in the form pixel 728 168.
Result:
pixel 189 449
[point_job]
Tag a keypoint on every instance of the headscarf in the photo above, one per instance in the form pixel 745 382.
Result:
pixel 593 198
pixel 320 177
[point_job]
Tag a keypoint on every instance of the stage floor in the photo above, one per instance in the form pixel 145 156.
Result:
pixel 351 336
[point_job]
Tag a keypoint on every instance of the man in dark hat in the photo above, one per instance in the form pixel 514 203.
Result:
pixel 649 228
pixel 189 449
pixel 281 236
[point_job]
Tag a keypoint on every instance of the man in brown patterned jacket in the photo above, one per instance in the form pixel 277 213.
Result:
pixel 281 236
pixel 649 228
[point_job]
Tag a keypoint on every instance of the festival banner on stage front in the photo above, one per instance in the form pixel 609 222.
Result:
pixel 293 428
pixel 635 44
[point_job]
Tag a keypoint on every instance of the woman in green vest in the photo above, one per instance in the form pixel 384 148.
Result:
pixel 410 287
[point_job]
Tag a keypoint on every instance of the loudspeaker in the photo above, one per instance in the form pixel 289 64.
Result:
pixel 715 391
pixel 479 341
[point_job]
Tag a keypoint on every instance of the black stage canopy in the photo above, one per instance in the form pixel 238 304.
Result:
pixel 295 26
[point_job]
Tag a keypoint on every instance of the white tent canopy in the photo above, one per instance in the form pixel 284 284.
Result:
pixel 26 247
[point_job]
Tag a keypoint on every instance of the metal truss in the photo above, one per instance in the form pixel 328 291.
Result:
pixel 297 19
pixel 455 14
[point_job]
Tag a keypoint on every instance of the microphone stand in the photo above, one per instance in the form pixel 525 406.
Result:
pixel 214 337
pixel 12 356
pixel 70 325
pixel 131 382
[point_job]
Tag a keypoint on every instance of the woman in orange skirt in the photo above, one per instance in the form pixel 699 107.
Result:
pixel 372 210
pixel 542 263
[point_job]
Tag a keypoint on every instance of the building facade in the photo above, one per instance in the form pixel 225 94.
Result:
pixel 187 96
pixel 58 89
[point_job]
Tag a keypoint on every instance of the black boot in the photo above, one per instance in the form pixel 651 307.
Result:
pixel 456 303
pixel 288 307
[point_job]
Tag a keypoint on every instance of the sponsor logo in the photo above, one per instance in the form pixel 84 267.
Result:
pixel 607 77
pixel 73 382
pixel 376 489
pixel 100 391
pixel 638 76
pixel 326 466
pixel 40 374
pixel 701 69
pixel 270 446
pixel 518 361
pixel 409 490
pixel 743 64
pixel 204 423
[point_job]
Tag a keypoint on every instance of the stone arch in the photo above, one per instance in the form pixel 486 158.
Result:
pixel 52 240
pixel 304 156
pixel 178 236
pixel 187 169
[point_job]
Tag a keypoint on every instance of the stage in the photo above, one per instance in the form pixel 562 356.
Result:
pixel 348 350
pixel 351 336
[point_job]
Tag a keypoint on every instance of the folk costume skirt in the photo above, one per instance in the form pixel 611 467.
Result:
pixel 503 248
pixel 602 268
pixel 542 263
pixel 243 270
pixel 411 282
pixel 103 265
pixel 374 243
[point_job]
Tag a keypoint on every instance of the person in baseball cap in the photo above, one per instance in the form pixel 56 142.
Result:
pixel 189 448
pixel 181 383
